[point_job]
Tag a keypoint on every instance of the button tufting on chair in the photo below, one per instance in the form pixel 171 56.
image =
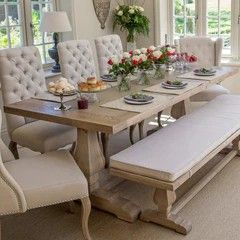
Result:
pixel 22 77
pixel 107 47
pixel 76 60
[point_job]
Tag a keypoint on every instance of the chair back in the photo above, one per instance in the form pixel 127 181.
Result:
pixel 208 51
pixel 22 77
pixel 12 199
pixel 107 47
pixel 76 60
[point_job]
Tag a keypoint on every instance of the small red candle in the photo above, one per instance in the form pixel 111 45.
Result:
pixel 82 103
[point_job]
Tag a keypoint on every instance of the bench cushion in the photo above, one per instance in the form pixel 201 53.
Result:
pixel 175 150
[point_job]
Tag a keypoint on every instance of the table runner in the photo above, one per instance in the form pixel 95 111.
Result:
pixel 159 89
pixel 46 96
pixel 220 72
pixel 159 100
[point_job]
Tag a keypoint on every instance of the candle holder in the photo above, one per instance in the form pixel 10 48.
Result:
pixel 62 106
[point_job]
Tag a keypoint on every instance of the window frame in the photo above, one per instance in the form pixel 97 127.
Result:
pixel 201 24
pixel 25 10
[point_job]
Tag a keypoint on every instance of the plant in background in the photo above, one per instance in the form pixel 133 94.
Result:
pixel 131 19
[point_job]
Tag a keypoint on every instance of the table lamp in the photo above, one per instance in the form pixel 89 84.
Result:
pixel 55 22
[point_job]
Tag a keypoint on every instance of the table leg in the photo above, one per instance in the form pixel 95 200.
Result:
pixel 180 109
pixel 103 191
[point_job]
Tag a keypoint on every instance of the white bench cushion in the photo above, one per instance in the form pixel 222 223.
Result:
pixel 176 149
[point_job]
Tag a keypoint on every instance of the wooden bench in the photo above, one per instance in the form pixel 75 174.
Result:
pixel 171 156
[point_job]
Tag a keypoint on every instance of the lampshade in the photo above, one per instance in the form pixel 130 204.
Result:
pixel 55 22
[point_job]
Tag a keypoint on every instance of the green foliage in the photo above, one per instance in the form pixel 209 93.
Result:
pixel 132 20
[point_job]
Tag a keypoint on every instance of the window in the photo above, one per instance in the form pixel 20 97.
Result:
pixel 213 18
pixel 19 25
pixel 184 18
pixel 219 22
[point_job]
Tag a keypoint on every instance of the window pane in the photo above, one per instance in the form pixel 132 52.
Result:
pixel 212 26
pixel 40 39
pixel 2 16
pixel 179 7
pixel 15 36
pixel 179 26
pixel 190 26
pixel 190 8
pixel 3 38
pixel 13 15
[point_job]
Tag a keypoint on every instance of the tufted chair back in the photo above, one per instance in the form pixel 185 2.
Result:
pixel 209 52
pixel 22 77
pixel 107 47
pixel 12 199
pixel 76 60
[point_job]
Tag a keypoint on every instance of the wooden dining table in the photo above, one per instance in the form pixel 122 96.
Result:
pixel 88 151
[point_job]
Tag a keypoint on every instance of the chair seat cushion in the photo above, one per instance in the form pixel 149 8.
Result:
pixel 49 178
pixel 41 136
pixel 209 94
pixel 175 150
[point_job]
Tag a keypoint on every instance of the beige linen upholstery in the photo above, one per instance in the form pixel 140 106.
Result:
pixel 209 54
pixel 49 179
pixel 107 47
pixel 22 77
pixel 40 181
pixel 76 60
pixel 169 159
pixel 47 136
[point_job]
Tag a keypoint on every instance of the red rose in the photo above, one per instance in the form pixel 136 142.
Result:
pixel 135 62
pixel 110 62
pixel 131 52
pixel 123 61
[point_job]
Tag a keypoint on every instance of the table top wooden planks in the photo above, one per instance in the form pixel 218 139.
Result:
pixel 101 119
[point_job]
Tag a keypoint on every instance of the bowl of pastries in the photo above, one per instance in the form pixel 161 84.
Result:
pixel 61 86
pixel 92 85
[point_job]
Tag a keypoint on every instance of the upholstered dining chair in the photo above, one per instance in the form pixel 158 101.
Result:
pixel 76 60
pixel 40 181
pixel 106 47
pixel 22 77
pixel 209 53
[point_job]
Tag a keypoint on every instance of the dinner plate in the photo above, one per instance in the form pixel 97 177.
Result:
pixel 174 87
pixel 211 72
pixel 108 78
pixel 147 99
pixel 137 103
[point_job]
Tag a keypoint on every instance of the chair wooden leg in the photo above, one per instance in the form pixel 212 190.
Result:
pixel 159 119
pixel 73 148
pixel 105 143
pixel 164 199
pixel 0 230
pixel 141 133
pixel 86 209
pixel 71 207
pixel 131 131
pixel 13 148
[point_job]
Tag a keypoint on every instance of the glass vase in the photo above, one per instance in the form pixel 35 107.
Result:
pixel 123 83
pixel 144 78
pixel 160 71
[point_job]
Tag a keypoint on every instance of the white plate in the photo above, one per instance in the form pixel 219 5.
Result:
pixel 137 103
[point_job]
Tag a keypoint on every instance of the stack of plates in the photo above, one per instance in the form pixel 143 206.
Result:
pixel 138 101
pixel 173 86
pixel 205 73
pixel 109 78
